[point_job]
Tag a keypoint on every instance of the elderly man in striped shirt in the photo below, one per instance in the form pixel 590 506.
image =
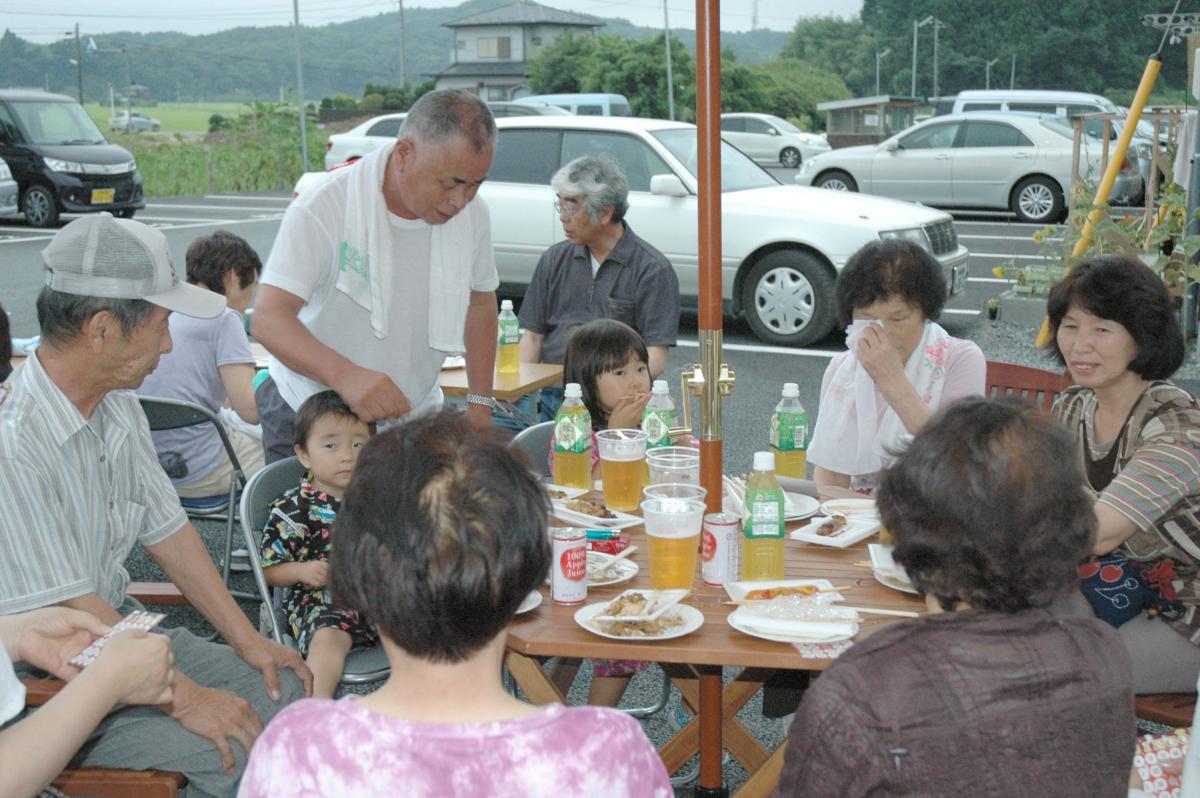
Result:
pixel 80 485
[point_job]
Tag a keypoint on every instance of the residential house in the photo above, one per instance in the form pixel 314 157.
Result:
pixel 492 49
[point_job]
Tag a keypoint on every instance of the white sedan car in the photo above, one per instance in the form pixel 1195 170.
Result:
pixel 991 161
pixel 769 139
pixel 358 141
pixel 782 245
pixel 8 191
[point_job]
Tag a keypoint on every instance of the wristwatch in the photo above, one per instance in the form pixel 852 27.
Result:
pixel 478 399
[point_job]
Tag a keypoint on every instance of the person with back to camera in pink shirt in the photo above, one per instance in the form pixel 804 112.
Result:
pixel 440 537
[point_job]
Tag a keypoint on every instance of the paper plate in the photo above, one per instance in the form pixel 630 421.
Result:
pixel 531 602
pixel 744 623
pixel 693 619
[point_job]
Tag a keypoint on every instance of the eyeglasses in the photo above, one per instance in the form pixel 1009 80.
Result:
pixel 569 207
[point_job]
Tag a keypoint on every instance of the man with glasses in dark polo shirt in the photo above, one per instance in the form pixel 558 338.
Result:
pixel 602 271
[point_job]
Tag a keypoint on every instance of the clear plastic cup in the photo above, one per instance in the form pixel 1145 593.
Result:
pixel 622 458
pixel 675 490
pixel 673 464
pixel 673 531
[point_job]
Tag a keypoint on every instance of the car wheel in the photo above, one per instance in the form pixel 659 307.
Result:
pixel 788 298
pixel 125 213
pixel 40 207
pixel 1038 199
pixel 836 180
pixel 154 128
pixel 789 157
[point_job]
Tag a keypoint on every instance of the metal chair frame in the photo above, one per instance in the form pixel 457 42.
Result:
pixel 536 441
pixel 168 414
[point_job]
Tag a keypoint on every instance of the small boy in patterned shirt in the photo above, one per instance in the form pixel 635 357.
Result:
pixel 296 544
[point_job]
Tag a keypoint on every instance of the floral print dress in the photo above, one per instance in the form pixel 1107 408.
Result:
pixel 303 537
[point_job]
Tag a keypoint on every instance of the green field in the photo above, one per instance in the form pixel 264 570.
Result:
pixel 174 117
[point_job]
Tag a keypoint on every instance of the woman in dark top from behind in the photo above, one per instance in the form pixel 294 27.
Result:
pixel 997 692
pixel 5 346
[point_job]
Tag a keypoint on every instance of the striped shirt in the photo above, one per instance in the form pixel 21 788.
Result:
pixel 1156 483
pixel 76 493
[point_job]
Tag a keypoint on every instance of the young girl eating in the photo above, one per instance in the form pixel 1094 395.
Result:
pixel 297 542
pixel 609 361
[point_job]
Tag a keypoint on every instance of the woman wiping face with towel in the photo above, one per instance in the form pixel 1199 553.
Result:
pixel 899 368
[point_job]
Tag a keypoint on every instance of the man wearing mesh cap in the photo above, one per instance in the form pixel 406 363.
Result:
pixel 80 484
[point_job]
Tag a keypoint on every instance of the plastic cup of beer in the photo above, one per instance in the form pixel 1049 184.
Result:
pixel 673 464
pixel 675 490
pixel 622 458
pixel 673 530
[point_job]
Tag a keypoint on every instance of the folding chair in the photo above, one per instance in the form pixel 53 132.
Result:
pixel 167 414
pixel 536 442
pixel 104 782
pixel 362 666
pixel 1036 386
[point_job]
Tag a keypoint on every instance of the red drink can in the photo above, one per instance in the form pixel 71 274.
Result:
pixel 568 581
pixel 719 548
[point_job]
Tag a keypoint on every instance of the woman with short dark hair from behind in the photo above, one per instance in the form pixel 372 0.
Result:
pixel 6 350
pixel 1137 441
pixel 989 519
pixel 440 538
pixel 900 366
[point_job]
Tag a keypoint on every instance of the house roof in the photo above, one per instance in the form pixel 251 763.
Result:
pixel 527 12
pixel 864 102
pixel 485 69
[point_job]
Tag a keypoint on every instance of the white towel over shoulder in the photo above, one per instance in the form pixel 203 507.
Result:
pixel 364 258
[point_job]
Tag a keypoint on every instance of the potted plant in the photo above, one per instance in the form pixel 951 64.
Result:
pixel 992 306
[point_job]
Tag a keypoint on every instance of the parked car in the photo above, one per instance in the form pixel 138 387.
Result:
pixel 1058 103
pixel 582 104
pixel 769 139
pixel 500 109
pixel 782 245
pixel 132 122
pixel 358 141
pixel 61 161
pixel 973 161
pixel 9 191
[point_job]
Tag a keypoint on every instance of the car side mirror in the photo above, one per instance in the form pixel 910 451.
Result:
pixel 772 131
pixel 668 186
pixel 891 145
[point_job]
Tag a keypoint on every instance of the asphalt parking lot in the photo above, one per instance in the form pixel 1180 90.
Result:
pixel 760 369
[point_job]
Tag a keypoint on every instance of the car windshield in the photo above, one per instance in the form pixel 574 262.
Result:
pixel 56 123
pixel 738 173
pixel 784 125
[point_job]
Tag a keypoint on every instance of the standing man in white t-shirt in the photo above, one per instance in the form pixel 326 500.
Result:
pixel 381 271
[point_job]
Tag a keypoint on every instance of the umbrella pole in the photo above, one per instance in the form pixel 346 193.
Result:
pixel 708 132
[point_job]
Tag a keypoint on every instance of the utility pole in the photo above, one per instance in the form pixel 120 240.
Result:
pixel 937 25
pixel 300 87
pixel 754 16
pixel 670 80
pixel 79 62
pixel 916 27
pixel 878 57
pixel 403 76
pixel 1012 75
pixel 987 80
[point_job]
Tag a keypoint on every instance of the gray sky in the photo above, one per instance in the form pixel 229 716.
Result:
pixel 49 22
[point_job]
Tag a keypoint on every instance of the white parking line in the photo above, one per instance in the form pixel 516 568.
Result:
pixel 775 350
pixel 210 223
pixel 961 312
pixel 240 198
pixel 173 206
pixel 184 219
pixel 1007 256
pixel 990 280
pixel 1003 238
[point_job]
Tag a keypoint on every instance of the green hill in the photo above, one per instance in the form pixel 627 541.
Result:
pixel 259 63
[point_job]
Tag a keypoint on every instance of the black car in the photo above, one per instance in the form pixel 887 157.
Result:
pixel 61 161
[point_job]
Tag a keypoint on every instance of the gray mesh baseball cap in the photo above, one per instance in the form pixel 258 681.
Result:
pixel 97 255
